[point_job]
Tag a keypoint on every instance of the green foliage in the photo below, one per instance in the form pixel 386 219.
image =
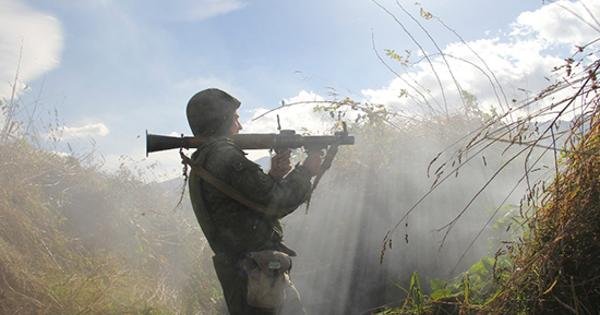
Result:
pixel 392 54
pixel 467 294
pixel 415 294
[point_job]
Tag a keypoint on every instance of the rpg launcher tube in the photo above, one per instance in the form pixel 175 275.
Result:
pixel 251 141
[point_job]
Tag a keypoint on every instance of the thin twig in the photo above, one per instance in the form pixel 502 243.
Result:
pixel 580 18
pixel 458 87
pixel 426 102
pixel 439 81
pixel 293 104
pixel 482 61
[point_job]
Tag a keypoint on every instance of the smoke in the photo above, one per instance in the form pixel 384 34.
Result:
pixel 369 188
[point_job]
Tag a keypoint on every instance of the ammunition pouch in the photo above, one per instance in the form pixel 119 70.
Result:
pixel 268 278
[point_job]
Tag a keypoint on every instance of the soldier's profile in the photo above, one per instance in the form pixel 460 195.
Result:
pixel 238 207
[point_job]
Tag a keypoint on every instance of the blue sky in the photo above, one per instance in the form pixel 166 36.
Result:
pixel 121 59
pixel 132 65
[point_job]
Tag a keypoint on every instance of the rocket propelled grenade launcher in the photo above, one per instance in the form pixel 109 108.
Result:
pixel 285 139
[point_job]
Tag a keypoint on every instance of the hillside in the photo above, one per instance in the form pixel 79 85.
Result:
pixel 76 240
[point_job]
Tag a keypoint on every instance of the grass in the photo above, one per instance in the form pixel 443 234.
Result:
pixel 554 266
pixel 75 240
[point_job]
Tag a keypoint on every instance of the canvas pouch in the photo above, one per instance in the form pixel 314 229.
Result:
pixel 268 278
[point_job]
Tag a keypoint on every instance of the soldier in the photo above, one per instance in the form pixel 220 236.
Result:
pixel 240 207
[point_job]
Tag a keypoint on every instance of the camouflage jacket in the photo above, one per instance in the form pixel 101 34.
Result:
pixel 230 227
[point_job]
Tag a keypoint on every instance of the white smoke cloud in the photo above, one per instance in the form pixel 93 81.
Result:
pixel 38 35
pixel 298 115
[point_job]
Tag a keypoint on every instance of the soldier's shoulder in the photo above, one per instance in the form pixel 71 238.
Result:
pixel 225 147
pixel 225 154
pixel 214 147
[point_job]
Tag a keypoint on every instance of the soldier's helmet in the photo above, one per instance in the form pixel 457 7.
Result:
pixel 210 112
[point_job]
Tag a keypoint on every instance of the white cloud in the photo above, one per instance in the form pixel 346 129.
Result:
pixel 89 130
pixel 39 35
pixel 518 66
pixel 521 62
pixel 564 22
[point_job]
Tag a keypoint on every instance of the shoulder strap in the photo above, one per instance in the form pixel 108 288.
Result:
pixel 225 188
pixel 205 218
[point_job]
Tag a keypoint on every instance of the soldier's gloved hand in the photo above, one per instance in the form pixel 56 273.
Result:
pixel 280 164
pixel 312 163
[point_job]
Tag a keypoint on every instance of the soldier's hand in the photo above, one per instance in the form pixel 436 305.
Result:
pixel 312 163
pixel 280 164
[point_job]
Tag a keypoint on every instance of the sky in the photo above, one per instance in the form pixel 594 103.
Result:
pixel 113 69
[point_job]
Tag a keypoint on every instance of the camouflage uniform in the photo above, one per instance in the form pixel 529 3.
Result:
pixel 233 229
